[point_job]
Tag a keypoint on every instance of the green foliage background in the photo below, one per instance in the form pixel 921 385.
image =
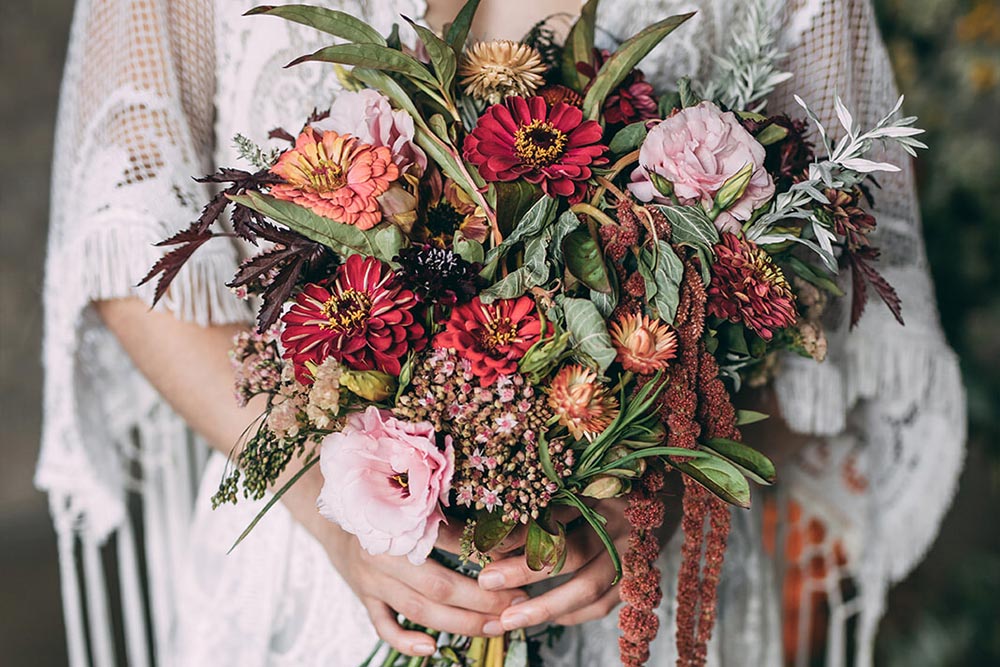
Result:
pixel 946 54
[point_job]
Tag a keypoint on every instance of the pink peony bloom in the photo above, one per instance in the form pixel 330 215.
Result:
pixel 385 482
pixel 698 149
pixel 367 115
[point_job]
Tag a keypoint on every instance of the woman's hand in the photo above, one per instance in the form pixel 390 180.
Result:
pixel 587 595
pixel 429 594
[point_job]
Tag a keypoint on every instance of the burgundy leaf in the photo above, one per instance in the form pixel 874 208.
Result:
pixel 863 273
pixel 170 264
pixel 281 133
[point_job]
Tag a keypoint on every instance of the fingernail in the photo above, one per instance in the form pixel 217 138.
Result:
pixel 515 621
pixel 491 580
pixel 519 599
pixel 423 648
pixel 493 629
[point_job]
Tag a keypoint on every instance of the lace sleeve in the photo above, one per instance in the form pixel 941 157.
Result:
pixel 888 402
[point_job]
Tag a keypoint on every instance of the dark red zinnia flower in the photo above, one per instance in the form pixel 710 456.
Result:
pixel 524 138
pixel 492 336
pixel 747 286
pixel 363 318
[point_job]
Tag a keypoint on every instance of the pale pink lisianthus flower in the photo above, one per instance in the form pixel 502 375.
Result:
pixel 385 481
pixel 698 149
pixel 368 116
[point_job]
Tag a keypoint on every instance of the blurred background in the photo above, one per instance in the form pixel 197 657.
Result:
pixel 947 59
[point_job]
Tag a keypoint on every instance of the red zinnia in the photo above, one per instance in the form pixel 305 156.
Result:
pixel 492 336
pixel 747 286
pixel 364 319
pixel 524 138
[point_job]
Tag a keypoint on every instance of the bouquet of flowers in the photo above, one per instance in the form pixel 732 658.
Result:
pixel 499 278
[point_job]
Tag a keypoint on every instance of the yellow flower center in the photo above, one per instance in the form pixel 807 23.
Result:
pixel 325 176
pixel 539 144
pixel 498 332
pixel 401 481
pixel 347 311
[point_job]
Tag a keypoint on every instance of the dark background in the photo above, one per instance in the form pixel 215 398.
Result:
pixel 947 59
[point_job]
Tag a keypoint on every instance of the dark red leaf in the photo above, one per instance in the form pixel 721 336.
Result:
pixel 170 264
pixel 862 274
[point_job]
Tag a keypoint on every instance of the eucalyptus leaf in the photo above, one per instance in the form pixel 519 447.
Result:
pixel 585 260
pixel 624 59
pixel 539 216
pixel 628 138
pixel 589 331
pixel 745 417
pixel 389 240
pixel 490 531
pixel 458 31
pixel 691 226
pixel 720 477
pixel 468 249
pixel 662 272
pixel 372 56
pixel 330 21
pixel 754 464
pixel 343 239
pixel 579 46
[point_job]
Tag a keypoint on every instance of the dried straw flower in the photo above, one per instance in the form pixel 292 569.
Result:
pixel 497 69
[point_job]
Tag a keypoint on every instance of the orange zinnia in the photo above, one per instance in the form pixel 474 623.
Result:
pixel 336 176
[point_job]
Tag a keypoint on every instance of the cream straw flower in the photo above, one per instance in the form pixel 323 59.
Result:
pixel 497 69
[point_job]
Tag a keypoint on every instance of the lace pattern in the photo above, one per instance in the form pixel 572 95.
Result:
pixel 136 122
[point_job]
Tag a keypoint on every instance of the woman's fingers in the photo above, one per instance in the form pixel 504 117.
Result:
pixel 604 606
pixel 584 589
pixel 417 607
pixel 388 629
pixel 447 587
pixel 582 546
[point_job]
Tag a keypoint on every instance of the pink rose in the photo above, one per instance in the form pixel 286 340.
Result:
pixel 385 481
pixel 698 149
pixel 367 115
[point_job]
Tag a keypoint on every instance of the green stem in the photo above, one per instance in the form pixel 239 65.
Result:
pixel 390 659
pixel 593 212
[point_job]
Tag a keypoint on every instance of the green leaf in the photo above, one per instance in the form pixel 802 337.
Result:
pixel 662 272
pixel 442 55
pixel 545 458
pixel 514 199
pixel 390 88
pixel 585 260
pixel 538 217
pixel 542 548
pixel 744 417
pixel 590 332
pixel 628 138
pixel 814 275
pixel 490 531
pixel 372 56
pixel 771 134
pixel 330 21
pixel 754 464
pixel 579 47
pixel 309 463
pixel 621 62
pixel 517 653
pixel 732 337
pixel 645 453
pixel 468 249
pixel 720 477
pixel 343 239
pixel 691 226
pixel 458 31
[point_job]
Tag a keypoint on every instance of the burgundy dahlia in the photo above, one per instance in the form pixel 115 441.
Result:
pixel 492 336
pixel 526 139
pixel 747 286
pixel 362 318
pixel 632 101
pixel 438 276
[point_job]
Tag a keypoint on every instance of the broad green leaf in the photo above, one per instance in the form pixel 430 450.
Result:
pixel 539 216
pixel 490 531
pixel 458 31
pixel 585 261
pixel 468 249
pixel 814 275
pixel 589 330
pixel 513 200
pixel 389 240
pixel 622 61
pixel 662 272
pixel 330 21
pixel 373 56
pixel 691 226
pixel 720 477
pixel 342 239
pixel 754 464
pixel 579 46
pixel 744 417
pixel 628 138
pixel 442 56
pixel 542 548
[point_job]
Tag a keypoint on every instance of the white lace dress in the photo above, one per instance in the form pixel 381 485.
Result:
pixel 855 512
